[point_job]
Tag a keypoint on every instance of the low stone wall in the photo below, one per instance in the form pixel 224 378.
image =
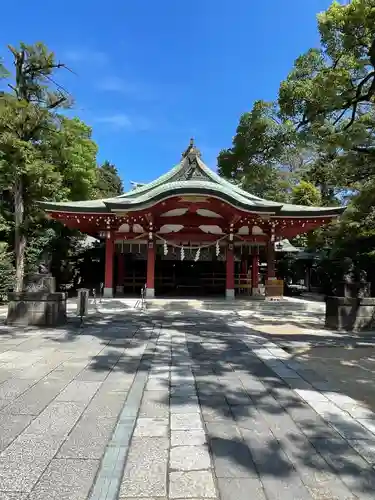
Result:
pixel 36 308
pixel 350 314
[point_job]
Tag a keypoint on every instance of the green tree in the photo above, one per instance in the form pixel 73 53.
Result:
pixel 305 193
pixel 109 181
pixel 40 156
pixel 263 153
pixel 329 94
pixel 3 71
pixel 336 81
pixel 72 152
pixel 6 271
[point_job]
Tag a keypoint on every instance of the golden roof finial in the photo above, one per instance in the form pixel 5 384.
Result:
pixel 191 150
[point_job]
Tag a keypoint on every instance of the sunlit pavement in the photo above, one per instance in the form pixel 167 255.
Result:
pixel 209 400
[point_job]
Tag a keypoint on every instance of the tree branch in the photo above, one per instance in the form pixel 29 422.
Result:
pixel 59 87
pixel 361 98
pixel 13 88
pixel 371 53
pixel 340 116
pixel 364 150
pixel 57 103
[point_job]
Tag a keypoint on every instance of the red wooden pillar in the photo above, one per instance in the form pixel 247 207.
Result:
pixel 120 272
pixel 255 269
pixel 150 283
pixel 229 288
pixel 108 271
pixel 271 273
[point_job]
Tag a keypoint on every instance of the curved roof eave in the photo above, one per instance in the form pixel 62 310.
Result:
pixel 165 191
pixel 175 183
pixel 192 188
pixel 154 184
pixel 233 187
pixel 308 211
pixel 90 206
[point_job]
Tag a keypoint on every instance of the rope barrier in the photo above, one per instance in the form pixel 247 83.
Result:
pixel 191 247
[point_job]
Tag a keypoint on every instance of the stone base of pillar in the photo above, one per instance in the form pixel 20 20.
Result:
pixel 229 293
pixel 119 289
pixel 150 293
pixel 257 294
pixel 107 293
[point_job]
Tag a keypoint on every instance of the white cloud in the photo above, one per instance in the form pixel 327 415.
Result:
pixel 130 87
pixel 82 55
pixel 118 120
pixel 114 84
pixel 124 121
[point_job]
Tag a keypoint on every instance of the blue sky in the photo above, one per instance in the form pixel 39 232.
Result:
pixel 151 74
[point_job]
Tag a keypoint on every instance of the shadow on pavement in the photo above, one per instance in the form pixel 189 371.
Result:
pixel 255 421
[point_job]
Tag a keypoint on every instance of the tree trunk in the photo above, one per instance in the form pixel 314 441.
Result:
pixel 19 236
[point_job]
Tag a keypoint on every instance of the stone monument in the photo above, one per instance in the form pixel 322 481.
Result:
pixel 39 304
pixel 351 308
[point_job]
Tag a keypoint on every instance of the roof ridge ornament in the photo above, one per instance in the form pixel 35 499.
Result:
pixel 191 152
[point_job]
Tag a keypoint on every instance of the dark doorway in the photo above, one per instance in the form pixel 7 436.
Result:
pixel 135 274
pixel 188 278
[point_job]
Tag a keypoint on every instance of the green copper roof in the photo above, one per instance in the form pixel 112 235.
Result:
pixel 190 177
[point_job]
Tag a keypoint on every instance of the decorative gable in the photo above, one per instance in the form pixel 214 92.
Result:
pixel 192 172
pixel 191 169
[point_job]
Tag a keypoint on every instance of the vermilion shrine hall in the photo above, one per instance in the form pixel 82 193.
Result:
pixel 190 232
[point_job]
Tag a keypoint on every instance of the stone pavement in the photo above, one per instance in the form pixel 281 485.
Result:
pixel 164 406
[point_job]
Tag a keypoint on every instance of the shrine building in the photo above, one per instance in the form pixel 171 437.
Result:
pixel 190 232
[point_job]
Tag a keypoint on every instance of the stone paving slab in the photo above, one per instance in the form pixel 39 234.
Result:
pixel 13 495
pixel 191 408
pixel 58 412
pixel 11 426
pixel 192 484
pixel 65 480
pixel 88 439
pixel 106 404
pixel 35 399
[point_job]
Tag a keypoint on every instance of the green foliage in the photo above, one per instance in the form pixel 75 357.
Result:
pixel 43 155
pixel 109 181
pixel 305 193
pixel 260 148
pixel 72 153
pixel 337 78
pixel 3 70
pixel 320 134
pixel 6 271
pixel 329 96
pixel 34 83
